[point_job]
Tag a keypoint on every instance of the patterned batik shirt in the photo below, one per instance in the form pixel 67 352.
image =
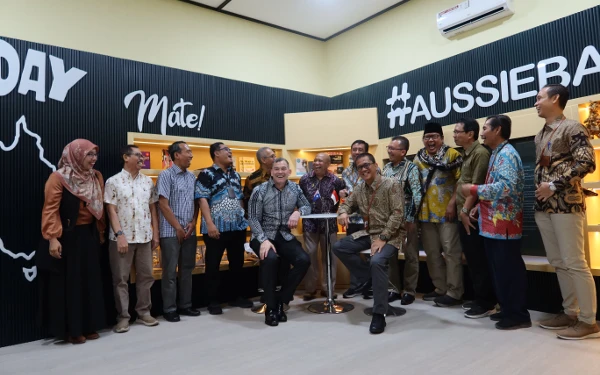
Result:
pixel 270 209
pixel 383 202
pixel 256 178
pixel 572 157
pixel 407 173
pixel 501 197
pixel 223 191
pixel 177 187
pixel 319 194
pixel 352 179
pixel 132 198
pixel 440 190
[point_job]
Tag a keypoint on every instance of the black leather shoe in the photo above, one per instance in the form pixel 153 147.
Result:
pixel 271 317
pixel 393 296
pixel 377 324
pixel 407 299
pixel 215 310
pixel 171 316
pixel 281 315
pixel 189 312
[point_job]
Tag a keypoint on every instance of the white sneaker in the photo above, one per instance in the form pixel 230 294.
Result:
pixel 147 320
pixel 122 326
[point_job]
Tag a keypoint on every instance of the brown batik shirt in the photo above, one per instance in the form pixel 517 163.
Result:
pixel 571 154
pixel 383 203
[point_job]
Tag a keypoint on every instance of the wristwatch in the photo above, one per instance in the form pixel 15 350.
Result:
pixel 383 237
pixel 118 233
pixel 464 210
pixel 552 186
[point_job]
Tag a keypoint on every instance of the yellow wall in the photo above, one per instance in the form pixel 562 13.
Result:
pixel 407 38
pixel 174 34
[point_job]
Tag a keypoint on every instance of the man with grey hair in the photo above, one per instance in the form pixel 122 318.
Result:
pixel 272 214
pixel 265 157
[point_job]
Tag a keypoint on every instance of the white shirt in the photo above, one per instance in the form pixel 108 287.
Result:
pixel 133 197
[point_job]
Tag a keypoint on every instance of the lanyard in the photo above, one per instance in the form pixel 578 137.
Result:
pixel 492 164
pixel 373 197
pixel 549 144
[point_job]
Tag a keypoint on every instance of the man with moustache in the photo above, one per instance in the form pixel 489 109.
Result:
pixel 351 177
pixel 440 170
pixel 564 156
pixel 407 173
pixel 177 232
pixel 473 171
pixel 500 213
pixel 323 189
pixel 381 203
pixel 130 198
pixel 220 199
pixel 272 214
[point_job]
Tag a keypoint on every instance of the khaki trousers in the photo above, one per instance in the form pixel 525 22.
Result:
pixel 318 264
pixel 563 239
pixel 446 274
pixel 411 265
pixel 120 265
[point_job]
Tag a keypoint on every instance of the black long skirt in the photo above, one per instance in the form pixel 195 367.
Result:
pixel 71 298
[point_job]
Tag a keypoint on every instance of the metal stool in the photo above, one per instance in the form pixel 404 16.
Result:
pixel 391 310
pixel 262 307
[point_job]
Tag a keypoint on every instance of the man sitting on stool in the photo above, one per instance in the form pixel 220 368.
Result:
pixel 271 215
pixel 381 202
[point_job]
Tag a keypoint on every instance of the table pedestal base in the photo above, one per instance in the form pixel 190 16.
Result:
pixel 330 307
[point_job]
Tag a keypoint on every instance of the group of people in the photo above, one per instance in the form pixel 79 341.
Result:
pixel 469 202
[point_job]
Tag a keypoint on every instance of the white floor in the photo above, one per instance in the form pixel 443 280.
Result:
pixel 427 340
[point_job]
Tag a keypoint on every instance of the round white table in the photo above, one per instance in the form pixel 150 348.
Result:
pixel 330 306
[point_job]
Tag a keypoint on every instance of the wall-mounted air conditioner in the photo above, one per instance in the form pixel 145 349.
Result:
pixel 471 14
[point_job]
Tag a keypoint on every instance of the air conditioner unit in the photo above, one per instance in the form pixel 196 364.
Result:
pixel 471 14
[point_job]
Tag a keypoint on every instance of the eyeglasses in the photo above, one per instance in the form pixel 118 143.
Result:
pixel 92 155
pixel 138 154
pixel 431 137
pixel 394 149
pixel 364 166
pixel 458 131
pixel 226 149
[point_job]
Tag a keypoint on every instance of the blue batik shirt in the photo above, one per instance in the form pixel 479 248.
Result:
pixel 223 191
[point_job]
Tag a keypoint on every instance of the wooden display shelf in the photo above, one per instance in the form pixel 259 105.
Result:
pixel 591 185
pixel 593 228
pixel 198 270
pixel 596 144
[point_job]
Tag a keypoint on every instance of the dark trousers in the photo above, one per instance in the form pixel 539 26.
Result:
pixel 178 262
pixel 352 228
pixel 348 251
pixel 234 243
pixel 290 252
pixel 474 250
pixel 510 277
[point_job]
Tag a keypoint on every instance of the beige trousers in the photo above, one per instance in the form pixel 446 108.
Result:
pixel 563 239
pixel 446 274
pixel 120 265
pixel 318 264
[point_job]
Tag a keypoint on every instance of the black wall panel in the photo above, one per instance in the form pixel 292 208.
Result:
pixel 33 132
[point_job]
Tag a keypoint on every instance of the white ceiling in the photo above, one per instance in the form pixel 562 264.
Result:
pixel 320 19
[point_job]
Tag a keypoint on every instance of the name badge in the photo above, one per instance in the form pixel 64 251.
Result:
pixel 231 192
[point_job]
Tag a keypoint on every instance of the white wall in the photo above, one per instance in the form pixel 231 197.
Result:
pixel 174 34
pixel 407 38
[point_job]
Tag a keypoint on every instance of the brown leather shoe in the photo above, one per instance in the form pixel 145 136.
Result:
pixel 76 340
pixel 92 336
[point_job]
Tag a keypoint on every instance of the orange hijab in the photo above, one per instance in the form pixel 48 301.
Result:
pixel 83 184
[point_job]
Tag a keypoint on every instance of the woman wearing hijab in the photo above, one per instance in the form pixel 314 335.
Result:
pixel 73 225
